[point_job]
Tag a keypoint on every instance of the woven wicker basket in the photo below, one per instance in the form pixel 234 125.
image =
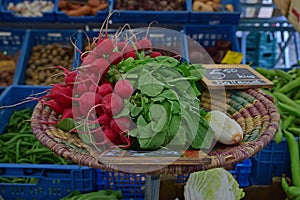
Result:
pixel 252 109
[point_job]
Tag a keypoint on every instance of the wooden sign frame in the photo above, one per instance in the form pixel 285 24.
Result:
pixel 233 76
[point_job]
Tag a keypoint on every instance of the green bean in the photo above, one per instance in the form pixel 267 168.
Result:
pixel 279 135
pixel 294 191
pixel 284 75
pixel 294 130
pixel 290 85
pixel 288 121
pixel 284 185
pixel 288 108
pixel 294 157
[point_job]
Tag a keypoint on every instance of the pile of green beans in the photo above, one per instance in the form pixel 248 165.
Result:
pixel 19 145
pixel 286 94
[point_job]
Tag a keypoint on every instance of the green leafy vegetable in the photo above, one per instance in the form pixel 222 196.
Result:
pixel 66 124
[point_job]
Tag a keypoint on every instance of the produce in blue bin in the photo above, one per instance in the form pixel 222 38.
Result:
pixel 82 8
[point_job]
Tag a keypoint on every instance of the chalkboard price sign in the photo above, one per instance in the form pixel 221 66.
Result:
pixel 233 77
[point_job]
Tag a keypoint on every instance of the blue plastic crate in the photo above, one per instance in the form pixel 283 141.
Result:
pixel 261 49
pixel 43 37
pixel 240 172
pixel 273 160
pixel 48 181
pixel 63 17
pixel 139 16
pixel 11 42
pixel 15 94
pixel 222 17
pixel 8 15
pixel 208 35
pixel 131 185
pixel 51 181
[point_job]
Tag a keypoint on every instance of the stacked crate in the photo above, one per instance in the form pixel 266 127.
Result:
pixel 261 49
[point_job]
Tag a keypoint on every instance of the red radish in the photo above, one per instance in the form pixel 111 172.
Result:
pixel 54 106
pixel 70 76
pixel 125 140
pixel 137 46
pixel 130 54
pixel 121 45
pixel 155 54
pixel 145 44
pixel 129 48
pixel 80 89
pixel 61 88
pixel 123 88
pixel 115 58
pixel 62 97
pixel 112 103
pixel 67 113
pixel 110 134
pixel 88 100
pixel 104 119
pixel 105 88
pixel 105 47
pixel 90 58
pixel 100 66
pixel 121 124
pixel 93 88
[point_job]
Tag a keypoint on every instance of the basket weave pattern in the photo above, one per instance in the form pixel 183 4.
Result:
pixel 252 109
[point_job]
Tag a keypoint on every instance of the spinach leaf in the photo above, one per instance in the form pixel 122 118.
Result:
pixel 158 116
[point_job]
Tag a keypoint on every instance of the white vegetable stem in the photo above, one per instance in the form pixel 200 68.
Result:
pixel 227 130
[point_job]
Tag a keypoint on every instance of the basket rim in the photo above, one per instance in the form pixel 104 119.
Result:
pixel 220 158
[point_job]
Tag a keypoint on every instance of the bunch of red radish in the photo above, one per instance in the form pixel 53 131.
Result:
pixel 87 96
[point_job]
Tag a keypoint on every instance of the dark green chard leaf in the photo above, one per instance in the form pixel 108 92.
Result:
pixel 167 61
pixel 148 85
pixel 169 94
pixel 66 124
pixel 180 138
pixel 154 142
pixel 173 128
pixel 124 112
pixel 158 116
pixel 135 110
pixel 204 137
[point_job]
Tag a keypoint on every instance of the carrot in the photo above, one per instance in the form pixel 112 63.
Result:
pixel 93 3
pixel 62 4
pixel 74 6
pixel 82 11
pixel 95 10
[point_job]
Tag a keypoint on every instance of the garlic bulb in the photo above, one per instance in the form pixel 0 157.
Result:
pixel 227 130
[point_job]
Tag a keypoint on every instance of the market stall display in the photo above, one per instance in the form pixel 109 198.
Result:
pixel 129 122
pixel 25 11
